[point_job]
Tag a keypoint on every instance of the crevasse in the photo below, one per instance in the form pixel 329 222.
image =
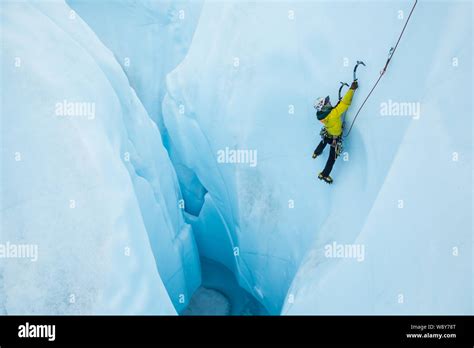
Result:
pixel 131 209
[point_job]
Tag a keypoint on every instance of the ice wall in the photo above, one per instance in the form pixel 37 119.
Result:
pixel 100 197
pixel 418 233
pixel 149 38
pixel 248 83
pixel 85 177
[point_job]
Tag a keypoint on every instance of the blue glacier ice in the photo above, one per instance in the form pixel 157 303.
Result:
pixel 149 38
pixel 250 85
pixel 96 191
pixel 192 189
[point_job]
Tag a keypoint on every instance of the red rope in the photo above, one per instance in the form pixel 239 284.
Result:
pixel 392 52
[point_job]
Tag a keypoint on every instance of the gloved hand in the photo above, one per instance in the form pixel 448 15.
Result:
pixel 354 85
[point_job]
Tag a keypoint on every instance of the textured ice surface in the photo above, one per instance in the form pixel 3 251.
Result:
pixel 230 87
pixel 250 85
pixel 417 231
pixel 92 187
pixel 149 38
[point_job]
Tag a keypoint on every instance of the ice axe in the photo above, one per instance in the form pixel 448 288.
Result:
pixel 340 89
pixel 359 62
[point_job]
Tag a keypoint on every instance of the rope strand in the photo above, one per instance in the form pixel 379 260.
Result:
pixel 392 52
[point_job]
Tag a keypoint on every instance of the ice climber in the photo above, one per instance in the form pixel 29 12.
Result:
pixel 331 118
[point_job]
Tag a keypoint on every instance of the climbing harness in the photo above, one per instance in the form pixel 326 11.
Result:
pixel 382 72
pixel 323 133
pixel 336 141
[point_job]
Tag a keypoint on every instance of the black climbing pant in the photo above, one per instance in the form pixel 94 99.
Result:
pixel 332 155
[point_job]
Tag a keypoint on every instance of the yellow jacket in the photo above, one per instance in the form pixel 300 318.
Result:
pixel 333 121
